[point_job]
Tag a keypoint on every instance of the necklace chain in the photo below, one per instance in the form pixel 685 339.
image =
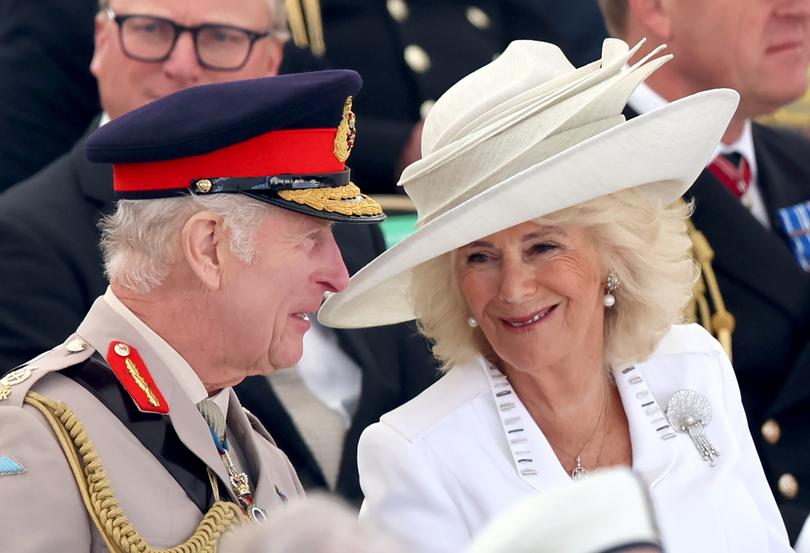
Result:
pixel 579 470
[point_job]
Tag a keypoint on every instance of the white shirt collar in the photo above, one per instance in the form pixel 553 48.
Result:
pixel 189 382
pixel 744 145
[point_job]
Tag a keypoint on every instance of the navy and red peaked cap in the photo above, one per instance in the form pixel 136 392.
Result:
pixel 283 140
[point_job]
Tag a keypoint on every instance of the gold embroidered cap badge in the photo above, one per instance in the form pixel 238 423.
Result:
pixel 346 132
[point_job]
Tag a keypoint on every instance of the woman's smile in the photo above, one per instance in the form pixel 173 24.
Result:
pixel 523 324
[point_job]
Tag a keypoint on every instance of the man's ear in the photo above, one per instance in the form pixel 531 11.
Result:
pixel 202 240
pixel 652 18
pixel 102 34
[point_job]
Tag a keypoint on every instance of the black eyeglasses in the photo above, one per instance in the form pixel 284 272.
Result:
pixel 152 39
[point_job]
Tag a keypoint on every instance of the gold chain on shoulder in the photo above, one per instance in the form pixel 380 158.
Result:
pixel 99 498
pixel 345 200
pixel 306 25
pixel 722 323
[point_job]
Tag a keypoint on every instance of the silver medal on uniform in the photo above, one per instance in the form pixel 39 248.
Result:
pixel 689 412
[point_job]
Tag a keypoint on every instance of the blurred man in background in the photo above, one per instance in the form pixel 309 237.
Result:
pixel 751 203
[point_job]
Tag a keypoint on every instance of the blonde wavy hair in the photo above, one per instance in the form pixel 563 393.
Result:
pixel 645 244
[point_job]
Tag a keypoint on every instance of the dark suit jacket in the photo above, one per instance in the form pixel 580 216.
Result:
pixel 47 94
pixel 51 272
pixel 769 295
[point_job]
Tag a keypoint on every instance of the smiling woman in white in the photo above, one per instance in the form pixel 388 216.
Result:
pixel 551 268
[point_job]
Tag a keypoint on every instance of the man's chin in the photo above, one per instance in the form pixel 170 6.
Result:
pixel 284 360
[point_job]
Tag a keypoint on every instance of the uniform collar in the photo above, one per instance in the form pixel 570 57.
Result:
pixel 188 380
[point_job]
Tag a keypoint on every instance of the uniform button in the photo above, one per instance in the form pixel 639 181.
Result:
pixel 771 431
pixel 425 108
pixel 77 345
pixel 416 58
pixel 788 486
pixel 398 10
pixel 478 18
pixel 121 349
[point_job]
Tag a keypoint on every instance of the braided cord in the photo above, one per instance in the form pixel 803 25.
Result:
pixel 721 324
pixel 118 533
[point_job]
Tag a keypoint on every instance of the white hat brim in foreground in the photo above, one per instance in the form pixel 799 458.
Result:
pixel 613 501
pixel 661 152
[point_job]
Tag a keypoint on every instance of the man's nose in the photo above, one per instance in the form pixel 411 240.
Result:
pixel 333 275
pixel 183 64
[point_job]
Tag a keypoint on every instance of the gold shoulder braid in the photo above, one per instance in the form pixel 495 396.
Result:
pixel 721 324
pixel 306 25
pixel 100 501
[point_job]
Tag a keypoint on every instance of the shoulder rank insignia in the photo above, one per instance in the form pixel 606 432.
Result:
pixel 131 371
pixel 14 377
pixel 10 466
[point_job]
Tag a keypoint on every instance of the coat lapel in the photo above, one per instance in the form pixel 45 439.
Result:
pixel 256 395
pixel 777 170
pixel 101 326
pixel 653 443
pixel 264 492
pixel 95 179
pixel 717 211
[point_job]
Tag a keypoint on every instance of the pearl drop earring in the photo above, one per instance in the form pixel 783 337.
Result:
pixel 471 322
pixel 612 283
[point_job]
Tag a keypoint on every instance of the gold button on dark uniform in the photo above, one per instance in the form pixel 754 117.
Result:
pixel 416 58
pixel 425 108
pixel 788 486
pixel 771 431
pixel 478 18
pixel 398 10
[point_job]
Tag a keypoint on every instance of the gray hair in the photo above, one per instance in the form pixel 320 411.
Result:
pixel 140 241
pixel 278 17
pixel 646 245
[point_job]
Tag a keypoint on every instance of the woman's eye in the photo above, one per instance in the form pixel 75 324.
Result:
pixel 477 257
pixel 543 247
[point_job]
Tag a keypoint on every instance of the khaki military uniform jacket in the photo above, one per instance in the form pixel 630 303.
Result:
pixel 42 509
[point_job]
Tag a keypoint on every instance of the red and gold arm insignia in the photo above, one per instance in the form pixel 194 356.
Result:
pixel 131 371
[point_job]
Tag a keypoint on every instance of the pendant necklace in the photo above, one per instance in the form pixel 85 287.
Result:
pixel 579 470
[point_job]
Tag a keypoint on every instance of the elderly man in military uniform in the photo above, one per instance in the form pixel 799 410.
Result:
pixel 220 244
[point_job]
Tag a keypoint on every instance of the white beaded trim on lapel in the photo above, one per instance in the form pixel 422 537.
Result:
pixel 513 423
pixel 648 403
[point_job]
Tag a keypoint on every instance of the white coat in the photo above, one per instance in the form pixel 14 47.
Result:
pixel 437 469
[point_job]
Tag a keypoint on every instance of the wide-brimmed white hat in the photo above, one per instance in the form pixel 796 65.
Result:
pixel 525 136
pixel 613 501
